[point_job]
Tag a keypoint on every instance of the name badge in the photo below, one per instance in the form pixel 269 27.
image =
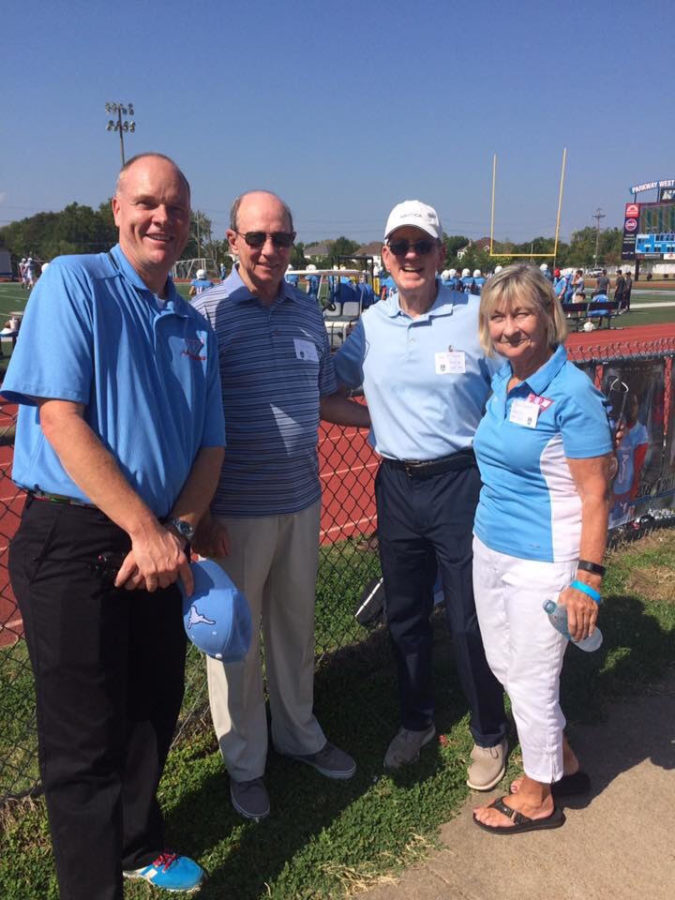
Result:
pixel 305 350
pixel 450 362
pixel 524 413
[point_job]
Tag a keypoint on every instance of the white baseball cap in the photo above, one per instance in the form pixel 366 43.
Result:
pixel 417 214
pixel 201 274
pixel 476 273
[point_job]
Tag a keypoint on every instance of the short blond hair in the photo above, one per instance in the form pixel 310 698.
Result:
pixel 521 284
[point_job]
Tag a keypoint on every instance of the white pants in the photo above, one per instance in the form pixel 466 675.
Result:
pixel 524 650
pixel 274 561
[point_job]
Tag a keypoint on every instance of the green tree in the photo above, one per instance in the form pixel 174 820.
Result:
pixel 453 243
pixel 298 260
pixel 342 246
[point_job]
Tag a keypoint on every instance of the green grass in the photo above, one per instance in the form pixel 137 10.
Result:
pixel 325 838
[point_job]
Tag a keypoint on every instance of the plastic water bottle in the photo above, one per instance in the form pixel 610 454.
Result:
pixel 557 615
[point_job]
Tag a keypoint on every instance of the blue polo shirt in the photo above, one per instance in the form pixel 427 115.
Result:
pixel 146 371
pixel 275 365
pixel 529 506
pixel 426 379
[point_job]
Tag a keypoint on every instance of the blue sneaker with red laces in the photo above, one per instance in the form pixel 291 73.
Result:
pixel 171 872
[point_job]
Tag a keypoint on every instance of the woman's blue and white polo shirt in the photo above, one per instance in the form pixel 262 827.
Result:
pixel 529 506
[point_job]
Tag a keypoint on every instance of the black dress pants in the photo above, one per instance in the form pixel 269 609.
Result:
pixel 425 522
pixel 109 671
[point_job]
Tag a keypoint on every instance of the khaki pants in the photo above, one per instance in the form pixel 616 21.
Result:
pixel 274 561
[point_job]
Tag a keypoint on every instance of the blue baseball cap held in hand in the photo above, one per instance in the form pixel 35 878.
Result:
pixel 216 617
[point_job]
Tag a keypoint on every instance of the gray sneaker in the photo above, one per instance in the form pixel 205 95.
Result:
pixel 330 761
pixel 406 745
pixel 250 798
pixel 488 766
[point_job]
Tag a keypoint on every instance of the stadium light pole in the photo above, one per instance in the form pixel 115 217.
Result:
pixel 121 126
pixel 598 215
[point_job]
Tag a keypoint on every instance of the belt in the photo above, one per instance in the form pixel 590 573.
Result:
pixel 425 468
pixel 59 498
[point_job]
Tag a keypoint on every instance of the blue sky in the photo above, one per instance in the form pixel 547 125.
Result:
pixel 345 108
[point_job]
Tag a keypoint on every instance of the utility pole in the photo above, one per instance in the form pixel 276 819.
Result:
pixel 599 214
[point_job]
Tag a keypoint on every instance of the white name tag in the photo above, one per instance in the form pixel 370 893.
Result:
pixel 450 362
pixel 305 350
pixel 524 413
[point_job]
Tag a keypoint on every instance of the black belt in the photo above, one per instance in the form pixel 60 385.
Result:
pixel 425 468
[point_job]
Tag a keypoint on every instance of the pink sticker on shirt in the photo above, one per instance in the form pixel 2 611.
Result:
pixel 542 402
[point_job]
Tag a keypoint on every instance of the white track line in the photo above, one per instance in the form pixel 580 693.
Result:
pixel 326 531
pixel 370 465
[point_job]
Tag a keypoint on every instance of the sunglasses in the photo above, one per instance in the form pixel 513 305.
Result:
pixel 421 248
pixel 280 239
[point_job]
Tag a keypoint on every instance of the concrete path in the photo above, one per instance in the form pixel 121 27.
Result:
pixel 618 844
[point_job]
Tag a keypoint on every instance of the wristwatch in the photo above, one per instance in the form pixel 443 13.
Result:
pixel 183 528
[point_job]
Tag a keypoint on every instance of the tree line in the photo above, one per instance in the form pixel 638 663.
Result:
pixel 81 229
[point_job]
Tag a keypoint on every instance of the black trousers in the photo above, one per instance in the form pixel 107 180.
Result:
pixel 425 523
pixel 109 671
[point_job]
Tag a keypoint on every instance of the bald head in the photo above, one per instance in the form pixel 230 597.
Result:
pixel 131 163
pixel 254 197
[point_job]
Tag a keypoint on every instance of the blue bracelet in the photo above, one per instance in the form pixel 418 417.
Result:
pixel 587 589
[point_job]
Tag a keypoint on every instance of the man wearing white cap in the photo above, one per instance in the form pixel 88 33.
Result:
pixel 426 382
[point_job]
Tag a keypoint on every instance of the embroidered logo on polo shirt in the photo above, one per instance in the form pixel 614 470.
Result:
pixel 542 402
pixel 193 349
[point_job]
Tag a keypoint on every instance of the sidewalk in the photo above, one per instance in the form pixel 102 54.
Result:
pixel 619 843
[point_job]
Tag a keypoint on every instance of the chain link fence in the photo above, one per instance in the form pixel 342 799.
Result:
pixel 349 563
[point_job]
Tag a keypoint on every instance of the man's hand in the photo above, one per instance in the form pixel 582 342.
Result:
pixel 211 538
pixel 156 560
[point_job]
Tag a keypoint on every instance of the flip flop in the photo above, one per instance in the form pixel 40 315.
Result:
pixel 521 823
pixel 572 785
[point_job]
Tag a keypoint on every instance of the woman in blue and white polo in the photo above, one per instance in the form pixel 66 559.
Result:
pixel 543 449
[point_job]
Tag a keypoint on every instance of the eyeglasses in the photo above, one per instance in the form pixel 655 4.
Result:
pixel 421 248
pixel 280 239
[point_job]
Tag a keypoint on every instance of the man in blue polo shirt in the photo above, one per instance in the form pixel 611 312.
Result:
pixel 119 444
pixel 426 381
pixel 277 374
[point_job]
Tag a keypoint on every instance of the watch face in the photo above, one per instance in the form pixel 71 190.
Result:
pixel 183 528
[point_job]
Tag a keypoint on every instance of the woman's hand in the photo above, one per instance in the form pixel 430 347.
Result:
pixel 582 612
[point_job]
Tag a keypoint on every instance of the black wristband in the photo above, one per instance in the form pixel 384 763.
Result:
pixel 587 566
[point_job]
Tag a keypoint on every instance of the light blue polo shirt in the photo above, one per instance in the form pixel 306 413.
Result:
pixel 426 379
pixel 529 506
pixel 145 370
pixel 275 365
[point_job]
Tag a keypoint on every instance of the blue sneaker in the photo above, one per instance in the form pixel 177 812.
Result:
pixel 171 872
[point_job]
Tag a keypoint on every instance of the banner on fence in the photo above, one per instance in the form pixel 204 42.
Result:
pixel 636 389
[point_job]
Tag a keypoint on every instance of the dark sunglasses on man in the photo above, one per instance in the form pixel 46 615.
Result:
pixel 280 239
pixel 421 247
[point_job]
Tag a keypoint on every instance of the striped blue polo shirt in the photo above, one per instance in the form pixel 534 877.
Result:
pixel 275 364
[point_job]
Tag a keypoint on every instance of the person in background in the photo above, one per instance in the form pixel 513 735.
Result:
pixel 544 450
pixel 119 444
pixel 628 290
pixel 426 380
pixel 601 285
pixel 201 283
pixel 619 288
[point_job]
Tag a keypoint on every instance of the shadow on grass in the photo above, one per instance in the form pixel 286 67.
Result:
pixel 636 653
pixel 356 702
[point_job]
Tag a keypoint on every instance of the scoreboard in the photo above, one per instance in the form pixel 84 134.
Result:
pixel 649 230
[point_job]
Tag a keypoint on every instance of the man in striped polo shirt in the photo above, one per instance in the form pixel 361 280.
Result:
pixel 278 378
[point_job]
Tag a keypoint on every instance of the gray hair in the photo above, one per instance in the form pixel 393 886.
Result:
pixel 521 284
